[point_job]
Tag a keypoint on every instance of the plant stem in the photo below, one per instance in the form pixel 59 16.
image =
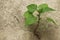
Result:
pixel 38 24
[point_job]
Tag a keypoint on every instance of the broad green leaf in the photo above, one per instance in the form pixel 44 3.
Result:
pixel 32 7
pixel 27 14
pixel 44 8
pixel 50 20
pixel 29 18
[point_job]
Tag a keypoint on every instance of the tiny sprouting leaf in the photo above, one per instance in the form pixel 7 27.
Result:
pixel 44 8
pixel 32 7
pixel 50 20
pixel 29 18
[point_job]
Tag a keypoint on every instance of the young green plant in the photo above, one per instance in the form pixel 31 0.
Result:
pixel 31 19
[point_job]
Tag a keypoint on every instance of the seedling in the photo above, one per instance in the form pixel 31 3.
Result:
pixel 30 19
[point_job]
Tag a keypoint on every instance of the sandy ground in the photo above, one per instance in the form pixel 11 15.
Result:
pixel 12 20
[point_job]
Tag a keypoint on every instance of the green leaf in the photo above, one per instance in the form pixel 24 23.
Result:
pixel 32 7
pixel 44 8
pixel 50 20
pixel 27 14
pixel 29 18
